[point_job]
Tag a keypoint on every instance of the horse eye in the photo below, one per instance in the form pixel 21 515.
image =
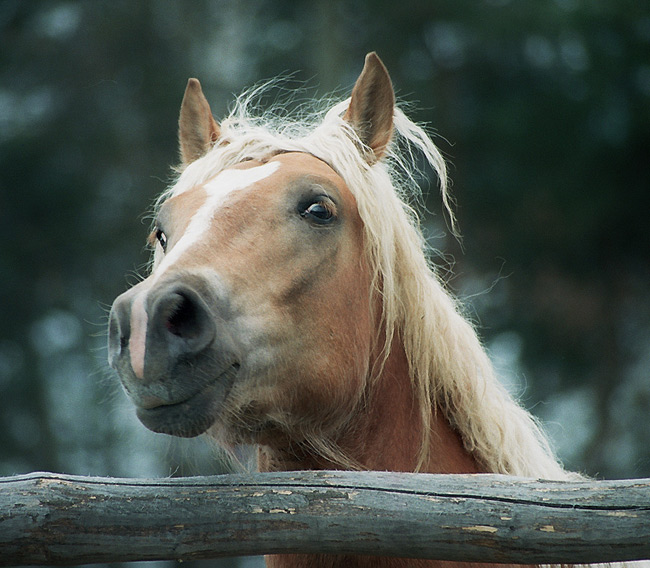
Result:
pixel 320 212
pixel 161 237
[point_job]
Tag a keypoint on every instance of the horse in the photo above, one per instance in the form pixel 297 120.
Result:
pixel 291 305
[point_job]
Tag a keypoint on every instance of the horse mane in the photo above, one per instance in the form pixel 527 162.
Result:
pixel 450 370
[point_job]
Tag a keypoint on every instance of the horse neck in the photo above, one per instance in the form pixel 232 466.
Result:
pixel 385 433
pixel 390 430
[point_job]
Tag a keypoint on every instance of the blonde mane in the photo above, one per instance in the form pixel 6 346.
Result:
pixel 450 370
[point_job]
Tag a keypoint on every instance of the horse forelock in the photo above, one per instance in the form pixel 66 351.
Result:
pixel 449 368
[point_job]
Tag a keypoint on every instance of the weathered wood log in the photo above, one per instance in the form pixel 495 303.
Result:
pixel 52 519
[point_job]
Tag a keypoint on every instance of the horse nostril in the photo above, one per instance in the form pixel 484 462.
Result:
pixel 183 318
pixel 118 331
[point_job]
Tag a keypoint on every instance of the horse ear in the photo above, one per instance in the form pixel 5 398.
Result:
pixel 197 129
pixel 371 106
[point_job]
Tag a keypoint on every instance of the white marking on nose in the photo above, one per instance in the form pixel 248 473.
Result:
pixel 138 338
pixel 217 189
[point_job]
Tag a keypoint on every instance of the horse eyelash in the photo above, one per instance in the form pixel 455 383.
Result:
pixel 157 236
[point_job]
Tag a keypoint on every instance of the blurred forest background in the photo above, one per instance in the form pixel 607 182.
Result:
pixel 542 107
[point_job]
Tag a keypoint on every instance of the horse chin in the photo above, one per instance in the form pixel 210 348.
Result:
pixel 249 423
pixel 194 415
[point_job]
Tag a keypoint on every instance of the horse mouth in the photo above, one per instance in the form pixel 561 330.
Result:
pixel 194 415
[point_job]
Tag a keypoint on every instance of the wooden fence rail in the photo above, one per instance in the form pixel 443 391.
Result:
pixel 52 519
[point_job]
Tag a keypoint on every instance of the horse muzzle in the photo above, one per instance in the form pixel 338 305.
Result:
pixel 169 343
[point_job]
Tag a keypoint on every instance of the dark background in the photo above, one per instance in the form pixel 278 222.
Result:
pixel 543 109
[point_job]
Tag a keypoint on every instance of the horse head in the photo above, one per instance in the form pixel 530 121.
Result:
pixel 256 321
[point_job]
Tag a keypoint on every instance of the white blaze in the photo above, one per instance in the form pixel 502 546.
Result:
pixel 138 337
pixel 217 189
